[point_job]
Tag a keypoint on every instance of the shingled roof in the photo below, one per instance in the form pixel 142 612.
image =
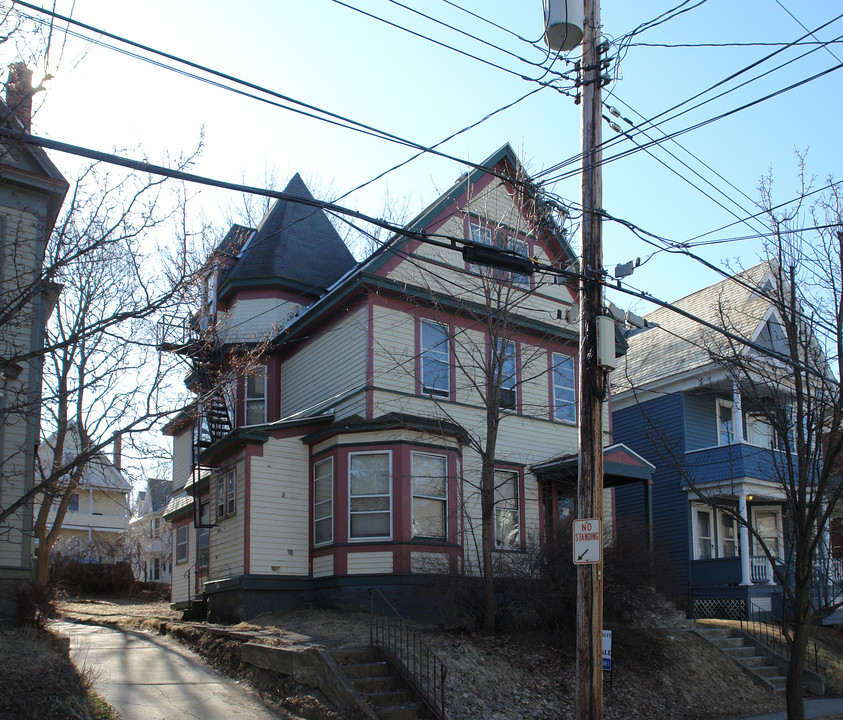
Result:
pixel 674 345
pixel 295 247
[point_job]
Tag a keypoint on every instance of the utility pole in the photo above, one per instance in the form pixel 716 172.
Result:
pixel 592 380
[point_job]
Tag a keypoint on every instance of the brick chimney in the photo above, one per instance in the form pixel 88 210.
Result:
pixel 19 93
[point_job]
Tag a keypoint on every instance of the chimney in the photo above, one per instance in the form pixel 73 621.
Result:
pixel 19 93
pixel 118 451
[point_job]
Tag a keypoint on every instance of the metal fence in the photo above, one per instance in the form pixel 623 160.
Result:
pixel 408 653
pixel 768 629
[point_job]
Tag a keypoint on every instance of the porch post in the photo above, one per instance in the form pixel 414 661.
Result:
pixel 737 413
pixel 743 530
pixel 648 515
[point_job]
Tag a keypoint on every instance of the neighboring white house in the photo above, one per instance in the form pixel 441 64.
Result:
pixel 97 519
pixel 150 544
pixel 31 193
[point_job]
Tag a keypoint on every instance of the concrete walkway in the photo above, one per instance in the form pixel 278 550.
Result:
pixel 828 708
pixel 149 677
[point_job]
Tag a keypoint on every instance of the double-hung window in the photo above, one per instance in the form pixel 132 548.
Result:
pixel 725 423
pixel 256 396
pixel 435 359
pixel 430 485
pixel 369 495
pixel 483 236
pixel 506 375
pixel 522 249
pixel 323 501
pixel 181 544
pixel 507 510
pixel 564 394
pixel 226 493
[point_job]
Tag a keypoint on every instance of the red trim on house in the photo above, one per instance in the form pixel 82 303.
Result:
pixel 370 359
pixel 252 451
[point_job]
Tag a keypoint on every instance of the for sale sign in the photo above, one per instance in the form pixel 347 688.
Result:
pixel 588 541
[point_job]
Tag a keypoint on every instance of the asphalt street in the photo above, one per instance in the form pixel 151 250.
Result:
pixel 149 677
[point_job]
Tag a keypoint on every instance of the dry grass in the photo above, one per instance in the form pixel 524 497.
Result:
pixel 46 685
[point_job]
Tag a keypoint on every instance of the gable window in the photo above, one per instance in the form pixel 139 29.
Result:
pixel 429 495
pixel 323 501
pixel 564 394
pixel 507 510
pixel 226 493
pixel 435 360
pixel 369 495
pixel 506 375
pixel 181 544
pixel 522 249
pixel 256 396
pixel 725 423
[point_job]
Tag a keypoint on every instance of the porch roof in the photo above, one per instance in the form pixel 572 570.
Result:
pixel 621 466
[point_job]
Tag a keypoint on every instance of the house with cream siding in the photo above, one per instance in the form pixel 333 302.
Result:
pixel 333 445
pixel 150 539
pixel 31 193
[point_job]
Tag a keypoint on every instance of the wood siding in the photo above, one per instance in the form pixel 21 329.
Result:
pixel 700 421
pixel 333 364
pixel 363 563
pixel 280 509
pixel 227 538
pixel 182 457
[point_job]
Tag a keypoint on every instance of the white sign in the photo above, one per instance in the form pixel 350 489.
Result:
pixel 588 541
pixel 607 650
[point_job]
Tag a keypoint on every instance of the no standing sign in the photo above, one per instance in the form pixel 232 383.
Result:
pixel 588 541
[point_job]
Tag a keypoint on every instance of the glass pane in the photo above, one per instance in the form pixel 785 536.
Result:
pixel 767 528
pixel 369 504
pixel 255 412
pixel 506 489
pixel 428 518
pixel 727 536
pixel 564 396
pixel 370 474
pixel 506 528
pixel 726 430
pixel 322 530
pixel 322 491
pixel 256 384
pixel 429 473
pixel 370 525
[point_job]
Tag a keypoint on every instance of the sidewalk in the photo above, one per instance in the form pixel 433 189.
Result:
pixel 828 708
pixel 147 677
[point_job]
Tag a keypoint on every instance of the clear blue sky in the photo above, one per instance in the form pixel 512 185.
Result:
pixel 326 54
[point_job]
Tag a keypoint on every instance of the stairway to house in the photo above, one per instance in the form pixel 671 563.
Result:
pixel 756 660
pixel 389 694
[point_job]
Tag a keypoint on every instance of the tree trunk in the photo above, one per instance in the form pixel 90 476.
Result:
pixel 487 511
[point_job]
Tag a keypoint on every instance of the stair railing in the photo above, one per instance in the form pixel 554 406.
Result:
pixel 768 630
pixel 407 653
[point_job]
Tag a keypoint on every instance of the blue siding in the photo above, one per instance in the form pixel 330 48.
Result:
pixel 732 462
pixel 700 421
pixel 654 429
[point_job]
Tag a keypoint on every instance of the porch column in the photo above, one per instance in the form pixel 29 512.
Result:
pixel 737 413
pixel 743 531
pixel 648 515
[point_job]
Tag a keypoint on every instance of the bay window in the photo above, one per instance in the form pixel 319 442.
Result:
pixel 369 495
pixel 429 480
pixel 323 501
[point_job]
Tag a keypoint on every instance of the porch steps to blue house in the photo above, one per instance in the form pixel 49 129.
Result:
pixel 756 660
pixel 390 696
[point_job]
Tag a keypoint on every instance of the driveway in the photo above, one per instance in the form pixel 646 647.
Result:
pixel 149 677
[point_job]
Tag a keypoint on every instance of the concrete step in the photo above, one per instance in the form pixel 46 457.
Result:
pixel 753 661
pixel 416 711
pixel 740 653
pixel 366 670
pixel 392 698
pixel 367 686
pixel 351 656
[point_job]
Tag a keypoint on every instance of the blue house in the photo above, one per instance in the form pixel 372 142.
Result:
pixel 716 454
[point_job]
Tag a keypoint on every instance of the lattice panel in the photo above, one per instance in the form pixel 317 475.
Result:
pixel 720 608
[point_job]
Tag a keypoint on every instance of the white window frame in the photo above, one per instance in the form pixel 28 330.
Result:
pixel 776 511
pixel 439 352
pixel 381 538
pixel 563 410
pixel 182 544
pixel 260 370
pixel 721 405
pixel 227 493
pixel 753 421
pixel 321 505
pixel 513 388
pixel 514 508
pixel 437 498
pixel 698 537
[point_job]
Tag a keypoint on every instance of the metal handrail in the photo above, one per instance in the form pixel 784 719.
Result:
pixel 768 630
pixel 407 653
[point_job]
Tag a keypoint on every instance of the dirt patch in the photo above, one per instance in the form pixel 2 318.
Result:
pixel 668 674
